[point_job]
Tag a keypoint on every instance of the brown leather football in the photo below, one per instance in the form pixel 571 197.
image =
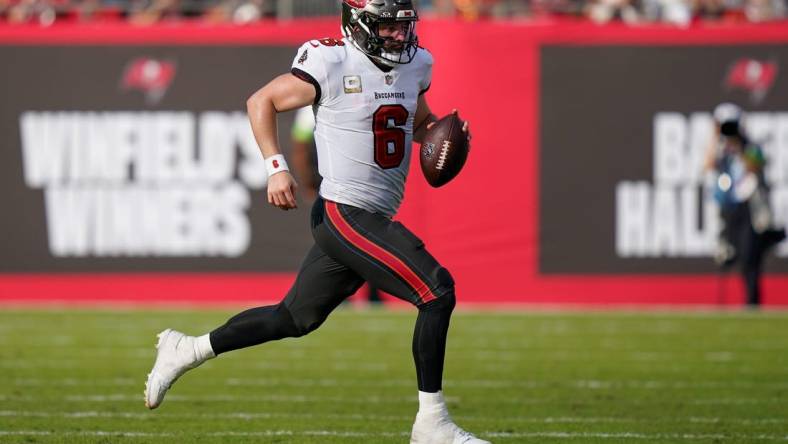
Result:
pixel 444 150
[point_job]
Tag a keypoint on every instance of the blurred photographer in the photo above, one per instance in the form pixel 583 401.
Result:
pixel 740 190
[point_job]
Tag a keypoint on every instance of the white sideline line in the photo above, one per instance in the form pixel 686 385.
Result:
pixel 82 433
pixel 509 384
pixel 118 397
pixel 231 398
pixel 234 415
pixel 486 347
pixel 359 417
pixel 472 383
pixel 712 420
pixel 80 365
pixel 349 434
pixel 733 401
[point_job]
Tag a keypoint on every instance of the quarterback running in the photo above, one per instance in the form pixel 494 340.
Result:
pixel 368 95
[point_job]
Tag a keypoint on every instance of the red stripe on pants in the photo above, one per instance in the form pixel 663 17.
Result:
pixel 392 262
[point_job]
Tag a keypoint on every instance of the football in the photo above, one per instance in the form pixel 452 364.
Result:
pixel 444 150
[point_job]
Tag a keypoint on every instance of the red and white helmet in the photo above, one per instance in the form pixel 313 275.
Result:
pixel 360 21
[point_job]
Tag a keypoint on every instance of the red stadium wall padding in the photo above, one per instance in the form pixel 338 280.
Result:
pixel 492 226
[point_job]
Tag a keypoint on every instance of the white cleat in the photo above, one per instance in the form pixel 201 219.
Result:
pixel 438 428
pixel 176 354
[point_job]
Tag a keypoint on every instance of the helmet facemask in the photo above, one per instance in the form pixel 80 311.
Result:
pixel 362 27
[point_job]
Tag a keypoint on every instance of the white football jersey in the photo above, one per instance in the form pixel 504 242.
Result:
pixel 364 121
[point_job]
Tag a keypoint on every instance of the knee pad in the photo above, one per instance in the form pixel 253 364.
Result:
pixel 442 281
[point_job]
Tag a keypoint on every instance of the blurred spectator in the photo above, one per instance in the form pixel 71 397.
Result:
pixel 240 12
pixel 510 8
pixel 540 8
pixel 88 10
pixel 469 9
pixel 603 11
pixel 746 219
pixel 709 10
pixel 729 11
pixel 304 156
pixel 472 10
pixel 678 12
pixel 147 12
pixel 443 7
pixel 32 11
pixel 764 10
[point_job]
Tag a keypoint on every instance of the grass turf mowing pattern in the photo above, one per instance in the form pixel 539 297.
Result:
pixel 601 377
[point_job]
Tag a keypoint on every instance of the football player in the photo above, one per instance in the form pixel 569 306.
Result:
pixel 367 91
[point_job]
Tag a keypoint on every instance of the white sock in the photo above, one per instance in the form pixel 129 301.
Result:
pixel 202 344
pixel 431 402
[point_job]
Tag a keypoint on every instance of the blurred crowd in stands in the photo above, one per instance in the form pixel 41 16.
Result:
pixel 144 12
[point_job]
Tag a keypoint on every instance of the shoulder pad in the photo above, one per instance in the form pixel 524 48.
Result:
pixel 423 55
pixel 330 49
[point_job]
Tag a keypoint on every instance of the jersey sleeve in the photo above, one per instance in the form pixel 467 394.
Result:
pixel 309 66
pixel 426 80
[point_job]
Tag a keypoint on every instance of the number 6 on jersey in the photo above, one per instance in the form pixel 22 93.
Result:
pixel 389 138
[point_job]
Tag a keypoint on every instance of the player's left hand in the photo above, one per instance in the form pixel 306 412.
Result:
pixel 466 128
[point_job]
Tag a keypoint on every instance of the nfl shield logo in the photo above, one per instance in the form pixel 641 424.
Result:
pixel 389 79
pixel 427 150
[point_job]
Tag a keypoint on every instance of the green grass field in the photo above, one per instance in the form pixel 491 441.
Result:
pixel 600 377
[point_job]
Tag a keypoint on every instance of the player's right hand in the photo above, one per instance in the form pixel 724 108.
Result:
pixel 281 190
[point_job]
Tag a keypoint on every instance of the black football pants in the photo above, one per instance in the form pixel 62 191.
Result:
pixel 353 246
pixel 749 247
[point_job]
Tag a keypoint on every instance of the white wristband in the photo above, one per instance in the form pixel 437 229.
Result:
pixel 275 164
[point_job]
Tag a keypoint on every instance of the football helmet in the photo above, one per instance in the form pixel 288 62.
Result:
pixel 360 24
